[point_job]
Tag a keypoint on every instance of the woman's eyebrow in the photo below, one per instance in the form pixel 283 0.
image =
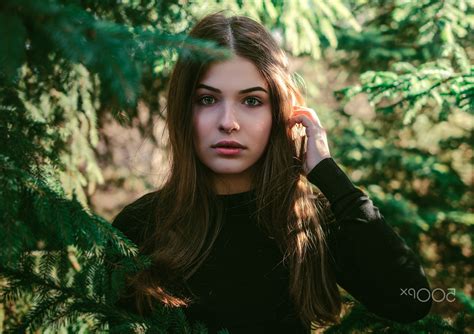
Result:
pixel 243 91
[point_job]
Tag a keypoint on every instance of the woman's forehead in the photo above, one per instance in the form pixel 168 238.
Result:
pixel 233 75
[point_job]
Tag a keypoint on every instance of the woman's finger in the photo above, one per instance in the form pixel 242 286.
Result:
pixel 312 130
pixel 310 112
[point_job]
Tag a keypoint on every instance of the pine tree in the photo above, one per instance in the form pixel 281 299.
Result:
pixel 414 155
pixel 59 261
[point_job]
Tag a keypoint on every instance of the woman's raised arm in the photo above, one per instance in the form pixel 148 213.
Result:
pixel 369 258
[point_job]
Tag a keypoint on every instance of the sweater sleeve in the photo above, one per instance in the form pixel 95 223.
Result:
pixel 370 260
pixel 133 221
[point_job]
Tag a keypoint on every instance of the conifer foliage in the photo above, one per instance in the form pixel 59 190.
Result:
pixel 60 63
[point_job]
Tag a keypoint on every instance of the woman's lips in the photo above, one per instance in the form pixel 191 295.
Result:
pixel 229 151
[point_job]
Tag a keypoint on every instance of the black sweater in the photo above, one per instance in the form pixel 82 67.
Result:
pixel 242 285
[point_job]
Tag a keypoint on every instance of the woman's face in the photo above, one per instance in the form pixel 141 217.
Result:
pixel 231 103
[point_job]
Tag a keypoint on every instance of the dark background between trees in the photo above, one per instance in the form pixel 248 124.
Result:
pixel 82 88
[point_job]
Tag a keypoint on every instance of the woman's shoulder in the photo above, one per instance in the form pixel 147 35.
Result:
pixel 136 216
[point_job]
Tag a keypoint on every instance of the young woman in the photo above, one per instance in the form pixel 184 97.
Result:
pixel 238 235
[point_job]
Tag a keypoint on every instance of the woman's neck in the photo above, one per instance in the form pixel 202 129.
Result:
pixel 228 184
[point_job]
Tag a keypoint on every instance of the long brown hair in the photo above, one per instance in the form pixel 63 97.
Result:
pixel 188 216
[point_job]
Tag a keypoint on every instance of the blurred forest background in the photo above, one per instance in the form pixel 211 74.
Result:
pixel 82 103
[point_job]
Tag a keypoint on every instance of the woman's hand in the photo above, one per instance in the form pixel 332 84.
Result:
pixel 317 146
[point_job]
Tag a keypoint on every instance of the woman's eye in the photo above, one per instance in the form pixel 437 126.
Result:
pixel 254 102
pixel 205 100
pixel 208 100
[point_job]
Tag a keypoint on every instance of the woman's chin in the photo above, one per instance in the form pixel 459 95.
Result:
pixel 234 169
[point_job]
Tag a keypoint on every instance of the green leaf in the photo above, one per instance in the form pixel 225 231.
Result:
pixel 328 31
pixel 12 46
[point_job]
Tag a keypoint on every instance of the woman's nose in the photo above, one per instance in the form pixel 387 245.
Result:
pixel 228 122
